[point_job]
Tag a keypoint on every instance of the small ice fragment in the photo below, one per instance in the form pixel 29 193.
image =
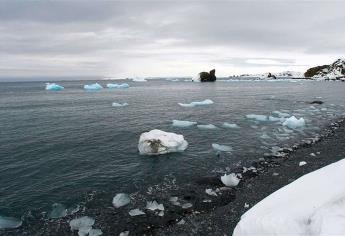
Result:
pixel 302 163
pixel 209 126
pixel 158 142
pixel 230 126
pixel 183 123
pixel 9 222
pixel 136 212
pixel 95 232
pixel 82 224
pixel 115 104
pixel 181 222
pixel 312 154
pixel 257 117
pixel 272 118
pixel 124 233
pixel 324 109
pixel 193 104
pixel 275 174
pixel 58 211
pixel 95 86
pixel 318 153
pixel 207 200
pixel 53 87
pixel 246 205
pixel 187 205
pixel 174 201
pixel 210 192
pixel 124 85
pixel 221 148
pixel 230 180
pixel 294 123
pixel 137 79
pixel 161 213
pixel 281 114
pixel 154 206
pixel 121 199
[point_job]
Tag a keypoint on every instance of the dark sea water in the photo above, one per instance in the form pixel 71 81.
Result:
pixel 56 147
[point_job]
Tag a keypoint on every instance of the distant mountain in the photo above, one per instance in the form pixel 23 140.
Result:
pixel 280 75
pixel 334 71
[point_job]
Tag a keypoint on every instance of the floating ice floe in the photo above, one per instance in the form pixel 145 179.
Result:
pixel 209 126
pixel 183 123
pixel 121 199
pixel 294 123
pixel 302 163
pixel 154 206
pixel 311 205
pixel 53 87
pixel 115 104
pixel 257 117
pixel 230 126
pixel 58 211
pixel 95 86
pixel 221 148
pixel 136 212
pixel 159 142
pixel 230 180
pixel 272 118
pixel 193 104
pixel 210 192
pixel 9 222
pixel 281 114
pixel 83 225
pixel 124 85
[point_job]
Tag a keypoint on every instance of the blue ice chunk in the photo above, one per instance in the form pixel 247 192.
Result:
pixel 95 86
pixel 53 87
pixel 124 85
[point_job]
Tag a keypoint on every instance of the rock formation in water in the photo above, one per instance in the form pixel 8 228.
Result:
pixel 206 76
pixel 334 71
pixel 271 76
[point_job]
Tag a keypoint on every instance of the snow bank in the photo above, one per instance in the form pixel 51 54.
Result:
pixel 294 123
pixel 53 87
pixel 121 199
pixel 314 204
pixel 257 117
pixel 95 86
pixel 183 123
pixel 193 104
pixel 221 148
pixel 115 104
pixel 124 85
pixel 9 222
pixel 230 180
pixel 230 126
pixel 209 126
pixel 158 142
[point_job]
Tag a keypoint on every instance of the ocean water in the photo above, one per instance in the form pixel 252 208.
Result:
pixel 57 147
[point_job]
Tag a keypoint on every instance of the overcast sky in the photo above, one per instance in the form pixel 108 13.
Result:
pixel 167 38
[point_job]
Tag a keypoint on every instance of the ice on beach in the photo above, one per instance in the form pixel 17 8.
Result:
pixel 115 104
pixel 121 199
pixel 221 148
pixel 183 123
pixel 193 104
pixel 230 126
pixel 205 127
pixel 302 163
pixel 120 86
pixel 58 211
pixel 9 222
pixel 83 225
pixel 257 117
pixel 311 205
pixel 53 87
pixel 154 206
pixel 159 142
pixel 95 86
pixel 294 123
pixel 210 192
pixel 136 212
pixel 230 180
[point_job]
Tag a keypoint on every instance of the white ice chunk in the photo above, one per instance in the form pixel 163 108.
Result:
pixel 209 126
pixel 53 87
pixel 294 123
pixel 314 204
pixel 159 142
pixel 121 199
pixel 230 180
pixel 221 148
pixel 9 222
pixel 95 86
pixel 281 114
pixel 124 85
pixel 193 104
pixel 95 232
pixel 230 126
pixel 187 205
pixel 115 104
pixel 83 224
pixel 136 212
pixel 183 123
pixel 302 163
pixel 257 117
pixel 124 233
pixel 154 206
pixel 272 118
pixel 137 79
pixel 210 192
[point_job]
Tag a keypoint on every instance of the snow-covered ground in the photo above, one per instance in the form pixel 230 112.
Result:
pixel 314 204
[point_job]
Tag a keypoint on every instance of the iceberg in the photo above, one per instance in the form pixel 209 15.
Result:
pixel 209 126
pixel 193 104
pixel 95 86
pixel 221 148
pixel 53 87
pixel 311 205
pixel 136 212
pixel 121 199
pixel 154 206
pixel 158 142
pixel 124 85
pixel 230 180
pixel 294 123
pixel 257 117
pixel 9 222
pixel 230 126
pixel 183 123
pixel 115 104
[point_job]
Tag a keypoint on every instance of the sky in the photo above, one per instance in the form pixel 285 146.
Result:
pixel 167 38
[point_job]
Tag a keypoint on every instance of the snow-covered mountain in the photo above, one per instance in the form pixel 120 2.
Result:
pixel 334 71
pixel 280 75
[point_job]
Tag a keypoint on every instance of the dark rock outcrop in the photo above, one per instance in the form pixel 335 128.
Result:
pixel 334 71
pixel 314 70
pixel 271 76
pixel 208 76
